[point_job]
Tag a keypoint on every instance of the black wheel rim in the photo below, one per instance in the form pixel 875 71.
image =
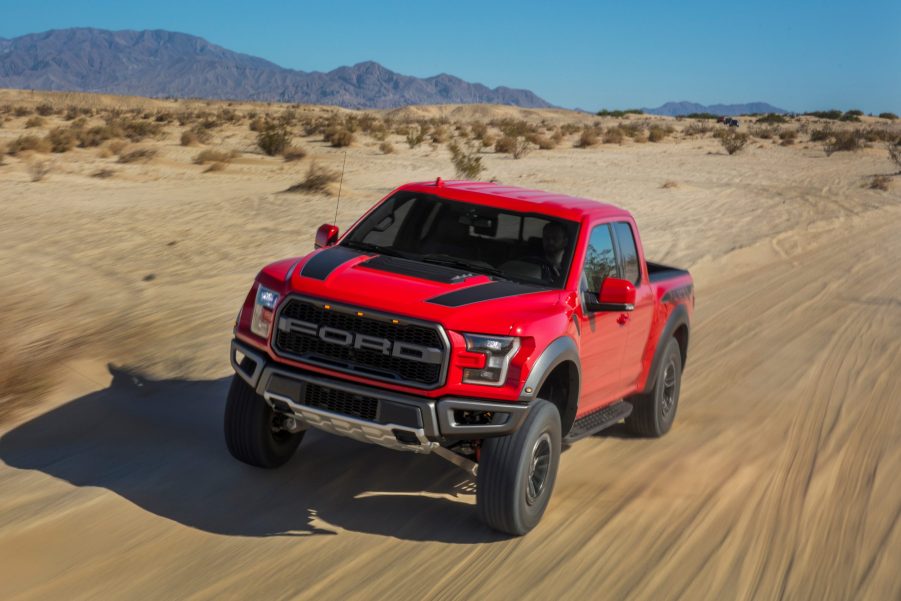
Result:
pixel 539 466
pixel 669 389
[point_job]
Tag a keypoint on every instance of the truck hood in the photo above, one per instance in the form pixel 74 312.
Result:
pixel 457 299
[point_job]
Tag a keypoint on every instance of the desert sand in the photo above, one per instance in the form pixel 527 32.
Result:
pixel 779 479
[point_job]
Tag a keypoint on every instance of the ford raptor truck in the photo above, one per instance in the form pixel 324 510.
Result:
pixel 487 324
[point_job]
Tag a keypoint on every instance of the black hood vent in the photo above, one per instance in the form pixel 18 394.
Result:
pixel 417 269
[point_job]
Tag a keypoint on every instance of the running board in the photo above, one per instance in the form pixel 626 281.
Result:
pixel 598 420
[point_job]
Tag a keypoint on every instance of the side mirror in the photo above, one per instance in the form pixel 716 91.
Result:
pixel 326 235
pixel 615 295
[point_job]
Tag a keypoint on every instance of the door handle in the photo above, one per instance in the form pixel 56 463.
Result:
pixel 622 319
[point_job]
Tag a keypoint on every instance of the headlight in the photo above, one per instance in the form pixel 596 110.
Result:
pixel 263 312
pixel 498 351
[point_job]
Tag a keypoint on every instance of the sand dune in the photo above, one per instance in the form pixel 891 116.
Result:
pixel 778 480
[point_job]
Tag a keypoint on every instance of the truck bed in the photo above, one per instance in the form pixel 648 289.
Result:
pixel 658 272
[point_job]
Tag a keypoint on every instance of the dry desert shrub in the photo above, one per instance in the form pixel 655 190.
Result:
pixel 733 141
pixel 516 146
pixel 788 136
pixel 414 135
pixel 386 147
pixel 478 130
pixel 542 142
pixel 880 182
pixel 294 153
pixel 466 160
pixel 197 134
pixel 820 134
pixel 894 153
pixel 38 170
pixel 338 137
pixel 697 128
pixel 505 144
pixel 669 184
pixel 116 146
pixel 440 135
pixel 273 139
pixel 614 135
pixel 189 138
pixel 74 112
pixel 61 139
pixel 22 111
pixel 95 136
pixel 34 122
pixel 632 129
pixel 318 179
pixel 588 138
pixel 214 156
pixel 772 119
pixel 763 132
pixel 24 143
pixel 44 110
pixel 216 167
pixel 879 134
pixel 658 133
pixel 848 140
pixel 138 155
pixel 137 129
pixel 103 173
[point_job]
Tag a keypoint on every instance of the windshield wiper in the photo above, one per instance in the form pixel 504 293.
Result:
pixel 463 264
pixel 368 246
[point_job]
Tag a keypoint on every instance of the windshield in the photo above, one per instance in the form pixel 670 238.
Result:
pixel 523 247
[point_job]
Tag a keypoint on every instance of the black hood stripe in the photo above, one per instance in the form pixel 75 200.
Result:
pixel 324 263
pixel 483 292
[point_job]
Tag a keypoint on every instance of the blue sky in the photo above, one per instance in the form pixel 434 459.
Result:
pixel 796 55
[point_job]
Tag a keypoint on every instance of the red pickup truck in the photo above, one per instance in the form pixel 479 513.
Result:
pixel 487 324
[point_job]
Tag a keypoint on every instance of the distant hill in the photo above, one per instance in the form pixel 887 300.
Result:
pixel 167 64
pixel 677 109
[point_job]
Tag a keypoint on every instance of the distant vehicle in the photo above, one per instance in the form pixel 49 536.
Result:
pixel 486 324
pixel 732 122
pixel 720 119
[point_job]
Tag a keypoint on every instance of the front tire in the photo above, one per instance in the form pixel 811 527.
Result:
pixel 517 472
pixel 252 434
pixel 653 412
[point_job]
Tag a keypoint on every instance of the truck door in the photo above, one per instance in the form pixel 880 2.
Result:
pixel 638 322
pixel 602 337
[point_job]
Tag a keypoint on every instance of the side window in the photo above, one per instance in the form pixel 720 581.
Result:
pixel 627 250
pixel 600 262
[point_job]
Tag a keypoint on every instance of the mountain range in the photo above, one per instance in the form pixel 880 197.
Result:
pixel 678 109
pixel 161 63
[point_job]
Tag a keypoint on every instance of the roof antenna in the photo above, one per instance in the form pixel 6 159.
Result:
pixel 340 184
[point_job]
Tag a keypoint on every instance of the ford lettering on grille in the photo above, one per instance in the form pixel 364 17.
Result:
pixel 362 342
pixel 401 350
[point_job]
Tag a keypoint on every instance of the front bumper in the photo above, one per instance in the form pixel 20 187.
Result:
pixel 369 414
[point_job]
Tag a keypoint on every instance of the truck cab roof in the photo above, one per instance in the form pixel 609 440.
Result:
pixel 518 199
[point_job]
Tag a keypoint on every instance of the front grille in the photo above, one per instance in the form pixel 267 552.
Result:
pixel 366 362
pixel 339 401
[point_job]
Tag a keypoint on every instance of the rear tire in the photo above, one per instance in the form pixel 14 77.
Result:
pixel 517 472
pixel 653 412
pixel 250 432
